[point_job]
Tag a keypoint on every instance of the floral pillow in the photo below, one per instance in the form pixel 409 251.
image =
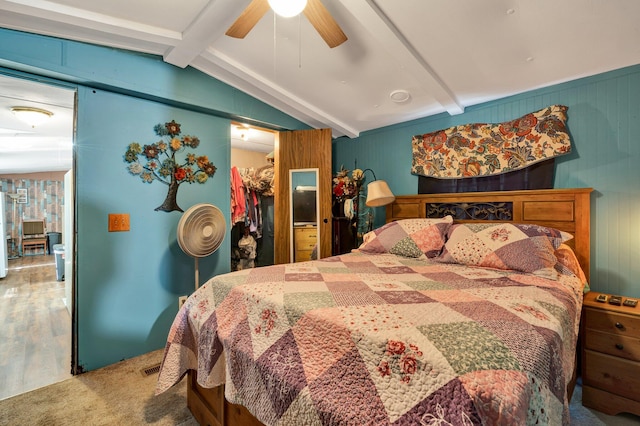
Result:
pixel 567 261
pixel 511 246
pixel 408 237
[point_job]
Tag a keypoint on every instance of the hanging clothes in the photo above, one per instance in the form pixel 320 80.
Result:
pixel 238 199
pixel 252 211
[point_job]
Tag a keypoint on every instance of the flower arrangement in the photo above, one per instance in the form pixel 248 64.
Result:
pixel 158 162
pixel 345 186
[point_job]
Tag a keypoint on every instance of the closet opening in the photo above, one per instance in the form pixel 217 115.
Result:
pixel 252 196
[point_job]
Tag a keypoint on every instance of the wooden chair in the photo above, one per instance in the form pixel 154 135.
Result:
pixel 33 235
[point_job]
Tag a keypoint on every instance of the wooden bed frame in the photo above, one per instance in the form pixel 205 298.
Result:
pixel 564 209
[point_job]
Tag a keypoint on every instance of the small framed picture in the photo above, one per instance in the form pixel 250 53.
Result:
pixel 22 196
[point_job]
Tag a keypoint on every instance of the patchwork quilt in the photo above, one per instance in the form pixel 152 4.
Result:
pixel 380 339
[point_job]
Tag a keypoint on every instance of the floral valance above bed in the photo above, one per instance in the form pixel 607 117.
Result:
pixel 479 149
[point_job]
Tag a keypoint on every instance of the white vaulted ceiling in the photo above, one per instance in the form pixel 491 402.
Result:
pixel 447 54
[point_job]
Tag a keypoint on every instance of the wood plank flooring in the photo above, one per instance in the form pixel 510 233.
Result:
pixel 35 326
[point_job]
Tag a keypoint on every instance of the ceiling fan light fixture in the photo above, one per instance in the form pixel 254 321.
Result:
pixel 30 115
pixel 287 8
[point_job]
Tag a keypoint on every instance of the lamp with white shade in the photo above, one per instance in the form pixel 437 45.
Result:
pixel 378 192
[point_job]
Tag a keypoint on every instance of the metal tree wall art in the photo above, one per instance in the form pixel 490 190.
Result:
pixel 157 162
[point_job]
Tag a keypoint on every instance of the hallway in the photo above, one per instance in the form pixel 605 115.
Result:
pixel 35 331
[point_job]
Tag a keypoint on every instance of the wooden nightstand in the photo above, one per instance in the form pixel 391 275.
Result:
pixel 610 356
pixel 305 238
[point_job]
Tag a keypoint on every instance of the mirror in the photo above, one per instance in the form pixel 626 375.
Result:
pixel 304 202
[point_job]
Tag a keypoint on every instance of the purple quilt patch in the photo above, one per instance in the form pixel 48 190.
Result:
pixel 284 360
pixel 339 394
pixel 396 270
pixel 484 311
pixel 210 356
pixel 450 405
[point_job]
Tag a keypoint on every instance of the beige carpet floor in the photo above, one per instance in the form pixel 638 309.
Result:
pixel 120 394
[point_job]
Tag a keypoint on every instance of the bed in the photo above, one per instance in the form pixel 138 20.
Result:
pixel 478 325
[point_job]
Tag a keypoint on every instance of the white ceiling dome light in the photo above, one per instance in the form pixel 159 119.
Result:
pixel 288 8
pixel 32 116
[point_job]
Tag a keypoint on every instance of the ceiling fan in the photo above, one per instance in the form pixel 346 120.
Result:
pixel 314 10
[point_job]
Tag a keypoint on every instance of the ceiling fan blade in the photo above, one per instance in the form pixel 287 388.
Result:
pixel 248 19
pixel 324 23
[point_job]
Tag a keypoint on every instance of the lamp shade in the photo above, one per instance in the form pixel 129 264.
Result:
pixel 288 8
pixel 379 194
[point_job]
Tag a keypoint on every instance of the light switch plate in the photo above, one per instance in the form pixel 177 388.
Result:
pixel 118 222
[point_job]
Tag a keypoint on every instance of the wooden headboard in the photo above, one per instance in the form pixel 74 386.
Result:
pixel 568 210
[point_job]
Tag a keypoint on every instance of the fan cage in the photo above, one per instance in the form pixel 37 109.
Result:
pixel 201 230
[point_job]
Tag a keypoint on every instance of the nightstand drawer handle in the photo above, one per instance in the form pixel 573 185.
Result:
pixel 619 325
pixel 619 346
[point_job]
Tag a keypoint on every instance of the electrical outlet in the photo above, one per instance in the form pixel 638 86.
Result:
pixel 118 222
pixel 182 300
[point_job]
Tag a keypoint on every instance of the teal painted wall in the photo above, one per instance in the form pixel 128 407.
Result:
pixel 604 122
pixel 128 283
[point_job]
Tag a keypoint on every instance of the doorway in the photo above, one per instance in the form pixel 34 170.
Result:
pixel 294 149
pixel 36 307
pixel 252 196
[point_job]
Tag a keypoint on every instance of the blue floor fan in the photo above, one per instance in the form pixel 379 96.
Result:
pixel 201 230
